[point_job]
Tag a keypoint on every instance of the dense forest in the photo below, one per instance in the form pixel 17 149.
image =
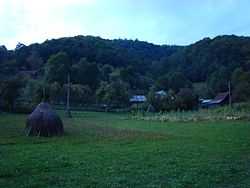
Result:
pixel 110 71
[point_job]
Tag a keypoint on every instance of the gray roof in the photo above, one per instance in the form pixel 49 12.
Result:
pixel 138 98
pixel 220 98
pixel 161 93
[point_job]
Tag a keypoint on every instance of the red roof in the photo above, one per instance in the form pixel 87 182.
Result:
pixel 220 97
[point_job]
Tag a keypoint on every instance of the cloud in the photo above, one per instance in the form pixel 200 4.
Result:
pixel 28 21
pixel 167 21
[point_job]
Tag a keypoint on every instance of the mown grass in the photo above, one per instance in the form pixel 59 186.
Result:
pixel 112 150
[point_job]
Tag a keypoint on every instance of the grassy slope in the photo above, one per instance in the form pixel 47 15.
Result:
pixel 109 150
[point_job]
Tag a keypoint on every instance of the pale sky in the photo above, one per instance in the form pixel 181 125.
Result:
pixel 177 22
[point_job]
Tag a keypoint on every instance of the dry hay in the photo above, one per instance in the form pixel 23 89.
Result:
pixel 44 121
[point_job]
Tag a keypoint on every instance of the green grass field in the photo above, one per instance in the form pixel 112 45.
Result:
pixel 112 150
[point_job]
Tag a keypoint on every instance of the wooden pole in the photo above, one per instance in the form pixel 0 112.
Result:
pixel 230 95
pixel 68 98
pixel 44 93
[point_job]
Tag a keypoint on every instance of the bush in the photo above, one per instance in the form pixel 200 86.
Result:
pixel 186 99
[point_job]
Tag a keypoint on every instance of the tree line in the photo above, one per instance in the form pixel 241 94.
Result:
pixel 108 72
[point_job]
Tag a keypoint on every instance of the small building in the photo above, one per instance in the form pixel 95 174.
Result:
pixel 220 99
pixel 160 93
pixel 29 73
pixel 138 99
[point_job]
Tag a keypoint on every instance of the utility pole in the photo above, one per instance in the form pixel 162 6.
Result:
pixel 44 87
pixel 230 94
pixel 44 93
pixel 68 97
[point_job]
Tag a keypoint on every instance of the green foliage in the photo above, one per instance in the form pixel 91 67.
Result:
pixel 114 93
pixel 8 68
pixel 186 100
pixel 56 92
pixel 174 81
pixel 106 70
pixel 129 76
pixel 140 65
pixel 241 85
pixel 202 90
pixel 160 103
pixel 57 68
pixel 3 53
pixel 34 61
pixel 204 57
pixel 86 73
pixel 80 94
pixel 33 91
pixel 9 92
pixel 218 80
pixel 101 92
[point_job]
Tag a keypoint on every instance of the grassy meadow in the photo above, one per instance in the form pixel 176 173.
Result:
pixel 115 150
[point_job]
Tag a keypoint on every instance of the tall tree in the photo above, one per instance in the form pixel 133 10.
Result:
pixel 10 91
pixel 58 69
pixel 241 85
pixel 116 93
pixel 86 73
pixel 174 81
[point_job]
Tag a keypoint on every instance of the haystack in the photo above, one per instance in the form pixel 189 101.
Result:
pixel 44 121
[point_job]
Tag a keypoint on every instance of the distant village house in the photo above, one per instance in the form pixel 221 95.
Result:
pixel 219 100
pixel 136 99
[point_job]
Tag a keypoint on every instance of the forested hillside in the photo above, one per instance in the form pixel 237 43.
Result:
pixel 109 71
